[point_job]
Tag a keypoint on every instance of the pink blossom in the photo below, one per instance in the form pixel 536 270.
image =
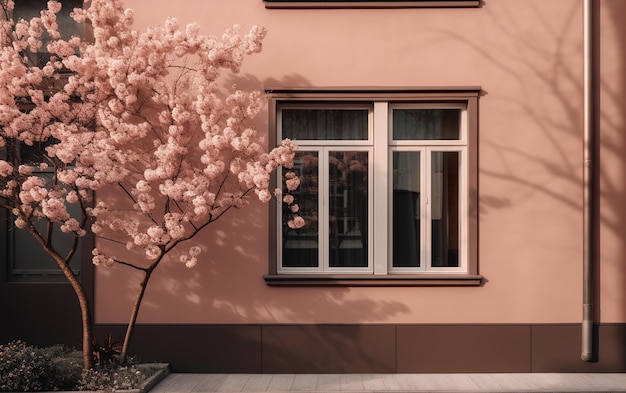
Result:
pixel 152 252
pixel 141 115
pixel 72 197
pixel 70 225
pixel 141 239
pixel 292 183
pixel 191 262
pixel 54 209
pixel 54 6
pixel 264 195
pixel 99 259
pixel 296 222
pixel 21 223
pixel 194 251
pixel 6 169
pixel 25 170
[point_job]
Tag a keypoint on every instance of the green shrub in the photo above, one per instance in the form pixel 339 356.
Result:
pixel 28 368
pixel 67 365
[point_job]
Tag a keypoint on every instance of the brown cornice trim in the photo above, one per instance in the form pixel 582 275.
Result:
pixel 355 280
pixel 373 4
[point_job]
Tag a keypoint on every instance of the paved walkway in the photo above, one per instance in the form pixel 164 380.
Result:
pixel 355 383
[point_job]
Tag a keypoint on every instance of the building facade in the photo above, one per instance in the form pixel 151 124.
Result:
pixel 442 164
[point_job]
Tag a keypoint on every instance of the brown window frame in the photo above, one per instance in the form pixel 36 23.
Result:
pixel 468 95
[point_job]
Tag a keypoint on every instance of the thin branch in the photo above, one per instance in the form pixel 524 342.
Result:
pixel 143 269
pixel 132 198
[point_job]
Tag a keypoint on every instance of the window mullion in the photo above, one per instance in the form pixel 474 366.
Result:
pixel 426 210
pixel 381 256
pixel 324 208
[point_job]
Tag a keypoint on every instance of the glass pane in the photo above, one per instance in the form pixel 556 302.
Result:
pixel 406 209
pixel 445 208
pixel 348 177
pixel 35 154
pixel 426 124
pixel 324 124
pixel 300 246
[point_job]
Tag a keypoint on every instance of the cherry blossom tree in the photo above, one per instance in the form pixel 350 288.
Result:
pixel 141 119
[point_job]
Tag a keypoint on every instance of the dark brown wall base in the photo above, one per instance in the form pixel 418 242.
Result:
pixel 40 314
pixel 375 348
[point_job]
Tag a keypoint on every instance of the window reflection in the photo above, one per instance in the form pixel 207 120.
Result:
pixel 348 208
pixel 301 246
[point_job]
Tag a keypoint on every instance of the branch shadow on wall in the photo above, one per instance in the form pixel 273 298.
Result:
pixel 560 127
pixel 227 283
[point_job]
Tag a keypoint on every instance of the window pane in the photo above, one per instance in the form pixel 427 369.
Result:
pixel 426 124
pixel 324 124
pixel 300 246
pixel 36 153
pixel 445 209
pixel 348 177
pixel 406 209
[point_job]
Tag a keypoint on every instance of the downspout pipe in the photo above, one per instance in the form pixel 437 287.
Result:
pixel 589 181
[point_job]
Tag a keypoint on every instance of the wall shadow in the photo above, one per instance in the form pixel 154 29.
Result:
pixel 562 127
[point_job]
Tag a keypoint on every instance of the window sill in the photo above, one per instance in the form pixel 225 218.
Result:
pixel 372 4
pixel 368 280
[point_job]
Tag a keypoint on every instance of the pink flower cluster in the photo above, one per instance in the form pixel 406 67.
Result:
pixel 138 112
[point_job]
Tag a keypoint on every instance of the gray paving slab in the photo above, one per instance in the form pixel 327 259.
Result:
pixel 379 383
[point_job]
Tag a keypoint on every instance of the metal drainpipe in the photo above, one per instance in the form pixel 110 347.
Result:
pixel 589 115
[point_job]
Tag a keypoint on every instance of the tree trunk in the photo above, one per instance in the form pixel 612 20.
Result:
pixel 85 308
pixel 135 312
pixel 81 296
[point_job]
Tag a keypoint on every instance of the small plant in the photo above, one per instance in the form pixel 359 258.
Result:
pixel 107 352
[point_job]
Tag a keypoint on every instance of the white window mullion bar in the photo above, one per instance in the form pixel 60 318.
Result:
pixel 380 164
pixel 324 215
pixel 426 215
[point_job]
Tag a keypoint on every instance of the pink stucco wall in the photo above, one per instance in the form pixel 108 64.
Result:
pixel 527 57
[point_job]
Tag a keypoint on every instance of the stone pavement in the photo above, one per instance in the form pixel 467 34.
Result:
pixel 359 383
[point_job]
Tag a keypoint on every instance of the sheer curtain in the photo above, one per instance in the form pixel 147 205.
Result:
pixel 426 124
pixel 324 124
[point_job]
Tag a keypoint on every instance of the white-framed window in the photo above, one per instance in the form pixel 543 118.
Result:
pixel 386 186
